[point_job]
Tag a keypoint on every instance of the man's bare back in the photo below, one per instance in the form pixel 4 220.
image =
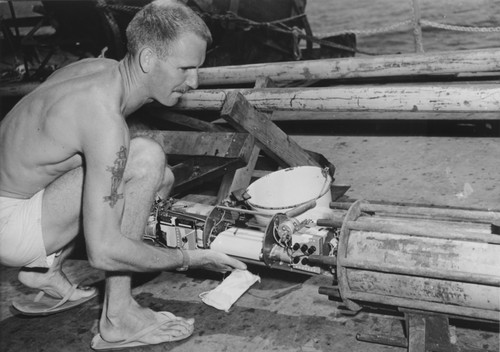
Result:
pixel 38 138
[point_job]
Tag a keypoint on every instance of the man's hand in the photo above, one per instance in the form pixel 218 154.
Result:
pixel 213 260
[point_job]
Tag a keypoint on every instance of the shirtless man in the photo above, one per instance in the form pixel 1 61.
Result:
pixel 66 158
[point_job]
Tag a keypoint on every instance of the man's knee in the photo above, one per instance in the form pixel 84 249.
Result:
pixel 168 179
pixel 147 159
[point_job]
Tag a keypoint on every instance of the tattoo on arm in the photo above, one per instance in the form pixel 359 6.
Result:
pixel 117 171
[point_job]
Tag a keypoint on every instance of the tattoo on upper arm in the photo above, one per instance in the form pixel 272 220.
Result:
pixel 117 171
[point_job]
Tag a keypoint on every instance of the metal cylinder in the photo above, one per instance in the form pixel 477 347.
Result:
pixel 242 243
pixel 419 264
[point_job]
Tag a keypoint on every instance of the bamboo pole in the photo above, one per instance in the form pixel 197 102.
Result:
pixel 470 97
pixel 437 63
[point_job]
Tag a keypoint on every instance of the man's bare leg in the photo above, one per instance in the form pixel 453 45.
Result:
pixel 52 280
pixel 146 175
pixel 61 209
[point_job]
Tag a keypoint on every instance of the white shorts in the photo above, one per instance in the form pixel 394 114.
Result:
pixel 21 241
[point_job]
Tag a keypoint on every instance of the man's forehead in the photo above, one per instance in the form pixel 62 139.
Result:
pixel 186 38
pixel 188 48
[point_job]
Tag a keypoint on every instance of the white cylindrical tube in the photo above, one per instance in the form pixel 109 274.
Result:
pixel 243 243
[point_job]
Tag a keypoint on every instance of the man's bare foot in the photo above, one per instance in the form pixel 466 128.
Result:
pixel 53 282
pixel 135 319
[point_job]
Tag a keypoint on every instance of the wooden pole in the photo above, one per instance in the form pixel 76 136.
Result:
pixel 483 216
pixel 380 115
pixel 161 113
pixel 17 89
pixel 467 97
pixel 437 63
pixel 427 272
pixel 417 28
pixel 425 305
pixel 422 228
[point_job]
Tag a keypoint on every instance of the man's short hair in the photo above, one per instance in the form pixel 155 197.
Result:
pixel 160 23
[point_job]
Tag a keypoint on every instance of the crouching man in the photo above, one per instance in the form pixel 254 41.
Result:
pixel 67 160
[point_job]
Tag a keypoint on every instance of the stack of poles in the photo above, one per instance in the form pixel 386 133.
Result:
pixel 458 85
pixel 464 83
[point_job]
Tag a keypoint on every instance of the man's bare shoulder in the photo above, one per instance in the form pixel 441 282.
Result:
pixel 87 93
pixel 86 83
pixel 81 68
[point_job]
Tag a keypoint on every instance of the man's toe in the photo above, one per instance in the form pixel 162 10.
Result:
pixel 83 292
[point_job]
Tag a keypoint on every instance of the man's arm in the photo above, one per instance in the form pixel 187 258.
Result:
pixel 106 149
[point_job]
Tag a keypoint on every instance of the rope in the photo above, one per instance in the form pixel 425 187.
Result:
pixel 279 26
pixel 408 22
pixel 283 20
pixel 385 29
pixel 122 8
pixel 451 27
pixel 427 23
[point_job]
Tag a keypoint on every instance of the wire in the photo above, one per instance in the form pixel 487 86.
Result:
pixel 217 224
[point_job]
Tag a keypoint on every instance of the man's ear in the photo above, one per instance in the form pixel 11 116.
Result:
pixel 146 59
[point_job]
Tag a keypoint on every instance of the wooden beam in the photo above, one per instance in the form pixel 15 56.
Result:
pixel 205 155
pixel 165 114
pixel 372 115
pixel 17 89
pixel 195 172
pixel 466 97
pixel 241 178
pixel 436 63
pixel 301 115
pixel 264 82
pixel 269 137
pixel 416 327
pixel 226 145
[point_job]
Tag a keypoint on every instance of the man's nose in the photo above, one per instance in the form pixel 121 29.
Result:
pixel 192 80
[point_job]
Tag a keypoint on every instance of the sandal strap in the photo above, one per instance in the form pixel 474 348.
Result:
pixel 63 300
